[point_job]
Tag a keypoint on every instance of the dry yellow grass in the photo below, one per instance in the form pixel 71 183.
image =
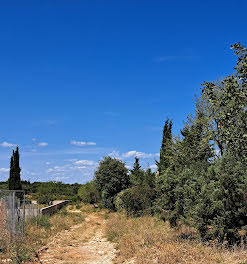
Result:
pixel 149 240
pixel 38 232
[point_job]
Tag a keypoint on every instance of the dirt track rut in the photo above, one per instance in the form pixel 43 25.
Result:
pixel 84 243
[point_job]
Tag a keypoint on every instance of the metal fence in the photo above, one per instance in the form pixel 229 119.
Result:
pixel 12 212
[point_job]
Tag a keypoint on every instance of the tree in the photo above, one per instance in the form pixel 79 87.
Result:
pixel 47 192
pixel 226 103
pixel 111 177
pixel 195 147
pixel 166 147
pixel 14 180
pixel 89 193
pixel 149 178
pixel 136 174
pixel 191 158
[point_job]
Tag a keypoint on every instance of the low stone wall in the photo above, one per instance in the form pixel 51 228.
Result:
pixel 52 209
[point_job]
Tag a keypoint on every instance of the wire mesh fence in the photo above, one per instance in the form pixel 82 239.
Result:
pixel 14 210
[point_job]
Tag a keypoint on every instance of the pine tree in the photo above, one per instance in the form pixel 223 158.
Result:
pixel 137 174
pixel 14 180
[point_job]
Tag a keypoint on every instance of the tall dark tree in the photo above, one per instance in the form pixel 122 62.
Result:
pixel 14 180
pixel 136 174
pixel 166 147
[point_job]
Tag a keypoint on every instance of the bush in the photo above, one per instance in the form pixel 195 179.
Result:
pixel 88 193
pixel 136 201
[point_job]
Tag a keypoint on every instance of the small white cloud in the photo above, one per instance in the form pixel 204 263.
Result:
pixel 43 144
pixel 34 139
pixel 85 162
pixel 47 163
pixel 134 153
pixel 7 145
pixel 4 170
pixel 81 143
pixel 114 154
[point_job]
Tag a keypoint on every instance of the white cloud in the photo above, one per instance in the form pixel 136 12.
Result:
pixel 134 153
pixel 114 154
pixel 47 163
pixel 43 144
pixel 7 145
pixel 4 170
pixel 85 162
pixel 88 165
pixel 81 143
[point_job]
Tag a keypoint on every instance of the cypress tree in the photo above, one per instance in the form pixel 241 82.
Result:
pixel 166 147
pixel 14 181
pixel 137 174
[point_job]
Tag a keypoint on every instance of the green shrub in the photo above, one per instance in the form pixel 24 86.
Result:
pixel 88 193
pixel 136 201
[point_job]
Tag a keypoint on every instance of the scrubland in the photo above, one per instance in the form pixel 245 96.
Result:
pixel 149 240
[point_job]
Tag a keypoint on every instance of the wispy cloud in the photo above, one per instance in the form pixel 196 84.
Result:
pixel 82 143
pixel 7 145
pixel 43 144
pixel 85 162
pixel 4 170
pixel 85 166
pixel 114 154
pixel 134 153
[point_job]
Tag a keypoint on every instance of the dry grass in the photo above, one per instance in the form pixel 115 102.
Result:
pixel 38 232
pixel 149 240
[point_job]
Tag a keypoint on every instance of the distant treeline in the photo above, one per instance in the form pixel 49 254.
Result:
pixel 46 192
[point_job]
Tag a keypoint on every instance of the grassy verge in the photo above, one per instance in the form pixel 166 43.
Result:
pixel 150 240
pixel 38 232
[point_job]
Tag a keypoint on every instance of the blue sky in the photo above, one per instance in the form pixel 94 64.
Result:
pixel 82 79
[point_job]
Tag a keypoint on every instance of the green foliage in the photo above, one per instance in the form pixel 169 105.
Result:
pixel 14 181
pixel 136 174
pixel 89 193
pixel 42 221
pixel 194 186
pixel 149 178
pixel 166 150
pixel 46 192
pixel 226 103
pixel 137 200
pixel 111 177
pixel 223 200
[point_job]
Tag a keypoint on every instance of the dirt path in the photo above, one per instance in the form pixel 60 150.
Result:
pixel 84 243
